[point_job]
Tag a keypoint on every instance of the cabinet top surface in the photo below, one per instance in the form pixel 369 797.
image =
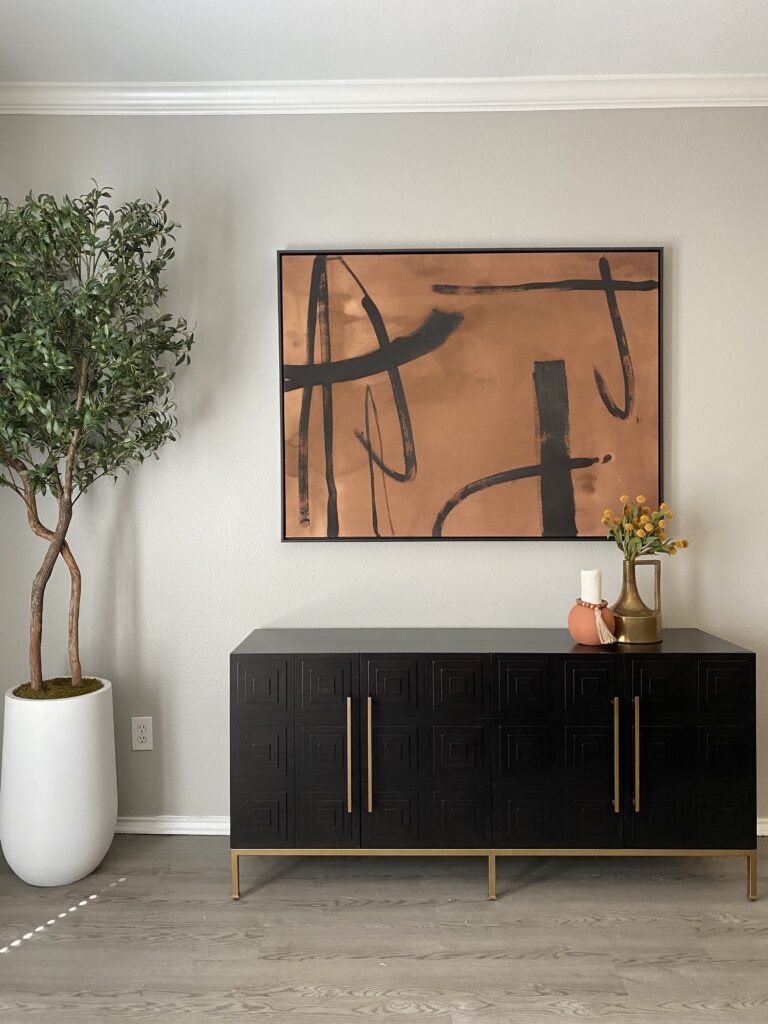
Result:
pixel 468 641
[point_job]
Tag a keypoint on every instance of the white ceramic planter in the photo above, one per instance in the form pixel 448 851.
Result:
pixel 58 787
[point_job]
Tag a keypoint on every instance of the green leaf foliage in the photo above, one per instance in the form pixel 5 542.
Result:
pixel 87 357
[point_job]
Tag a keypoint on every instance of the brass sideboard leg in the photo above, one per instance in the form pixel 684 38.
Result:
pixel 491 876
pixel 234 863
pixel 752 875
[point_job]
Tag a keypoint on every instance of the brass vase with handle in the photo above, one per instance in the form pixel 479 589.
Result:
pixel 636 623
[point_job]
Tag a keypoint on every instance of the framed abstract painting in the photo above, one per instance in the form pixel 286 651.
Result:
pixel 467 394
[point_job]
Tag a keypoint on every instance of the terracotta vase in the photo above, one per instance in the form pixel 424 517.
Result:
pixel 582 625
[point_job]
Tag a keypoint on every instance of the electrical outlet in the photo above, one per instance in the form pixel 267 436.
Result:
pixel 141 734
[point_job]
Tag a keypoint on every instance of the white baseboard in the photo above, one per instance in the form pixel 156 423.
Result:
pixel 218 825
pixel 175 825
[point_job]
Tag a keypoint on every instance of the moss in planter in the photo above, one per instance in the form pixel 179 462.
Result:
pixel 57 689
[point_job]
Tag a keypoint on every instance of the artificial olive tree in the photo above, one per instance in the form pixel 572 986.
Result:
pixel 87 362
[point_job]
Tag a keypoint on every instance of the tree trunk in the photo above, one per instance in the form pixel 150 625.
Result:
pixel 74 616
pixel 56 546
pixel 38 594
pixel 36 636
pixel 39 530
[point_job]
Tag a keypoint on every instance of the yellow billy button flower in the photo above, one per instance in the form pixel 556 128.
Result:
pixel 669 514
pixel 640 499
pixel 683 543
pixel 624 499
pixel 673 550
pixel 616 522
pixel 641 532
pixel 607 511
pixel 649 527
pixel 630 527
pixel 662 523
pixel 645 519
pixel 664 506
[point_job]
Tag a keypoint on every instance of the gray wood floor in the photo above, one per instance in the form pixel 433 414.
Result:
pixel 342 941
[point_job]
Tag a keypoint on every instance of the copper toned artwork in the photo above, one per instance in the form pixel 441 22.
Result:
pixel 467 394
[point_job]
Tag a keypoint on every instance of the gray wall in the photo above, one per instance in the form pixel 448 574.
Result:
pixel 183 558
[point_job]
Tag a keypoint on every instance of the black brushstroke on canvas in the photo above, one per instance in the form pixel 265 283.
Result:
pixel 432 333
pixel 398 394
pixel 627 369
pixel 605 284
pixel 332 509
pixel 576 284
pixel 318 265
pixel 558 507
pixel 558 510
pixel 435 330
pixel 371 410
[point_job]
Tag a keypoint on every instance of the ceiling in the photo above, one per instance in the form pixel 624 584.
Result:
pixel 270 40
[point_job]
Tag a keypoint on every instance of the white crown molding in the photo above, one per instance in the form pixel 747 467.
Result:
pixel 592 92
pixel 218 825
pixel 175 825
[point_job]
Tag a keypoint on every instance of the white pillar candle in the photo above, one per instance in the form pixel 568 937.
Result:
pixel 592 586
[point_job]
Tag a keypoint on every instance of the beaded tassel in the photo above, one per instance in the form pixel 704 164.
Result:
pixel 604 635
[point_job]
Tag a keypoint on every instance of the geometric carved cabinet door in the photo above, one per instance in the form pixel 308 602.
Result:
pixel 526 783
pixel 661 762
pixel 526 727
pixel 726 810
pixel 554 743
pixel 590 742
pixel 697 746
pixel 327 745
pixel 457 735
pixel 392 697
pixel 262 753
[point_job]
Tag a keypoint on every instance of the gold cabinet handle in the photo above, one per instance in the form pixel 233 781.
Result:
pixel 349 755
pixel 636 702
pixel 616 786
pixel 370 755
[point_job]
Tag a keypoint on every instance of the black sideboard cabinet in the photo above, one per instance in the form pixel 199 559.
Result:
pixel 490 742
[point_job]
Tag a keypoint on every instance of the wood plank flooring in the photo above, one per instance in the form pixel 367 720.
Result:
pixel 344 941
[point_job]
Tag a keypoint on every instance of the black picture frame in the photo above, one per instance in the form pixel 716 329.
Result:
pixel 281 253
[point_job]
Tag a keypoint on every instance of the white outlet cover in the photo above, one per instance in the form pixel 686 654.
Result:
pixel 141 733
